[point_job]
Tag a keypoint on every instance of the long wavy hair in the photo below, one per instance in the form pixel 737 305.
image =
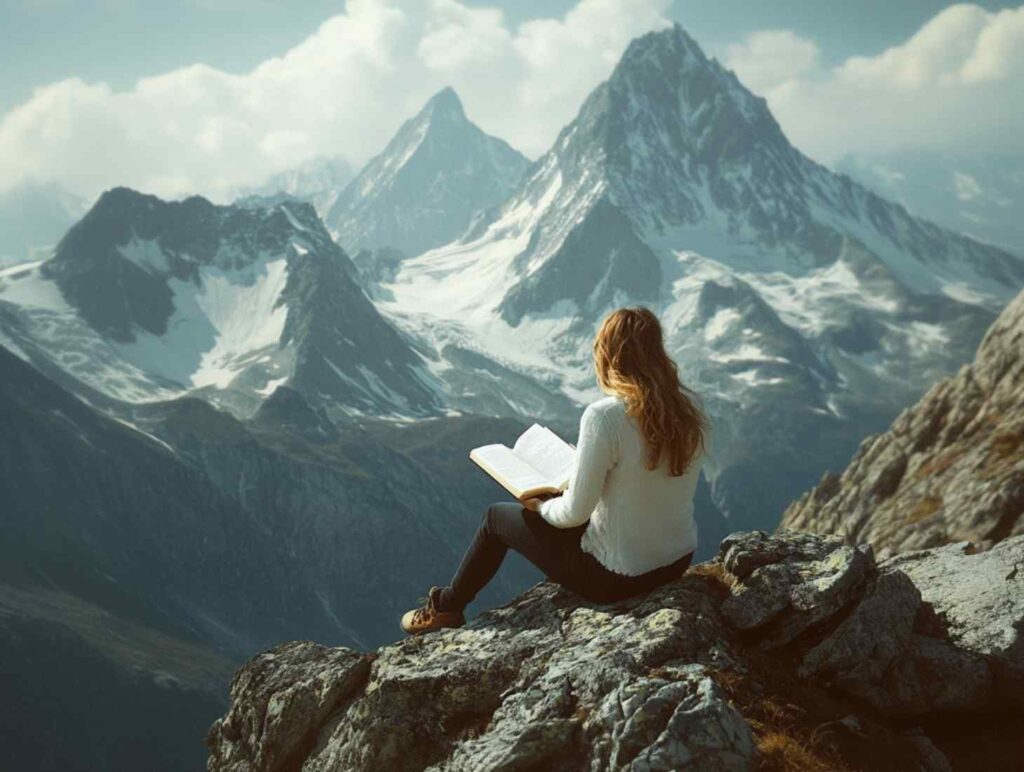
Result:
pixel 631 362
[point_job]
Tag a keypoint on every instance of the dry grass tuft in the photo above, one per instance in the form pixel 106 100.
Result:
pixel 782 752
pixel 715 572
pixel 784 732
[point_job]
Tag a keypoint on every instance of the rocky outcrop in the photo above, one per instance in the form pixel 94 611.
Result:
pixel 951 467
pixel 282 698
pixel 979 598
pixel 687 677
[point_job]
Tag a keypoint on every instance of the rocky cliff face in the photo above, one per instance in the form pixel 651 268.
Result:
pixel 950 468
pixel 696 675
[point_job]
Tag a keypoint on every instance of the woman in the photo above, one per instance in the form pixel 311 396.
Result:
pixel 625 525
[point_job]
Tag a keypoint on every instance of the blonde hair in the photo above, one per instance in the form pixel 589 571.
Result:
pixel 631 362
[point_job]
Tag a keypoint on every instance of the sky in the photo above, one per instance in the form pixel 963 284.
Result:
pixel 181 96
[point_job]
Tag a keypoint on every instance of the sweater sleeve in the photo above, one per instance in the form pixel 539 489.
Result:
pixel 594 457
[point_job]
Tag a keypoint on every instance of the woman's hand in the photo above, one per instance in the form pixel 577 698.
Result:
pixel 532 504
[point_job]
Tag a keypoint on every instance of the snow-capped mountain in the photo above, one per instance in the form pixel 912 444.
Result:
pixel 318 181
pixel 806 309
pixel 148 300
pixel 145 299
pixel 437 172
pixel 33 217
pixel 981 196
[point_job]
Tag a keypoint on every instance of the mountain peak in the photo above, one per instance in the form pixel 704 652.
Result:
pixel 709 96
pixel 437 156
pixel 445 105
pixel 671 45
pixel 668 120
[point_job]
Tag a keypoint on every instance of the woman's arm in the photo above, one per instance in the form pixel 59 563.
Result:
pixel 594 457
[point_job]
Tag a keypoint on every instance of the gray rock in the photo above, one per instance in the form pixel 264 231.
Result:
pixel 279 702
pixel 860 650
pixel 980 600
pixel 788 583
pixel 742 553
pixel 540 683
pixel 679 724
pixel 934 676
pixel 874 655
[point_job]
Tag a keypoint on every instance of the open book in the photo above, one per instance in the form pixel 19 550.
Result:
pixel 540 462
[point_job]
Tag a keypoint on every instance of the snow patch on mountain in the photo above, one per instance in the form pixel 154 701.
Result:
pixel 21 284
pixel 51 324
pixel 222 323
pixel 219 327
pixel 804 302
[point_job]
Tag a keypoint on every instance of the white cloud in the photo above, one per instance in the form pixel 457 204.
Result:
pixel 955 84
pixel 769 58
pixel 344 90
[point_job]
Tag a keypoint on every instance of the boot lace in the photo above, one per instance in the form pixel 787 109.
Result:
pixel 425 613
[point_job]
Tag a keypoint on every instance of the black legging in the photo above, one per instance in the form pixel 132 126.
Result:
pixel 555 551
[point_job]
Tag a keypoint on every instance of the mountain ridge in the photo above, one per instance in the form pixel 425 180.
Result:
pixel 146 299
pixel 698 137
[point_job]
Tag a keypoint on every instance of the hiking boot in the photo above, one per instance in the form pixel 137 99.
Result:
pixel 427 617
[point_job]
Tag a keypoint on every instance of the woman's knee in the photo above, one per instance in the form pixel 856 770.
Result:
pixel 496 512
pixel 503 520
pixel 490 515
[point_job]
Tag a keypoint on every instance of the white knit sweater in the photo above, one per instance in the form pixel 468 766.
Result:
pixel 640 518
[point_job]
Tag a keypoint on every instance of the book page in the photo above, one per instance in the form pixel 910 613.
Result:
pixel 548 453
pixel 508 468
